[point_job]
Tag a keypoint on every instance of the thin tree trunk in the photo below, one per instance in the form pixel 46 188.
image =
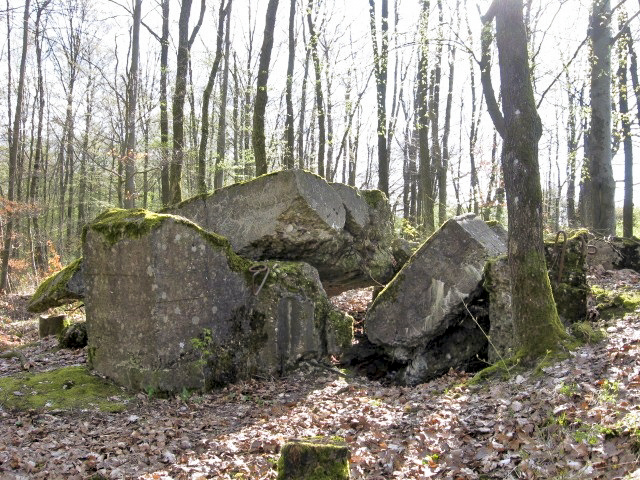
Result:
pixel 627 208
pixel 206 98
pixel 313 40
pixel 258 135
pixel 380 59
pixel 289 161
pixel 13 152
pixel 426 179
pixel 132 103
pixel 164 102
pixel 180 91
pixel 222 121
pixel 39 247
pixel 602 185
pixel 303 106
pixel 434 111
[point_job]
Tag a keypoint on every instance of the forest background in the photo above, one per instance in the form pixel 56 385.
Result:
pixel 146 102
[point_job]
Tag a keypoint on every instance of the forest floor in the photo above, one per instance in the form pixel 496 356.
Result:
pixel 578 417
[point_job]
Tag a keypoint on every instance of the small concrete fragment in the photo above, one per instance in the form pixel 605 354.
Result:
pixel 61 288
pixel 296 215
pixel 614 253
pixel 170 306
pixel 51 325
pixel 314 458
pixel 413 317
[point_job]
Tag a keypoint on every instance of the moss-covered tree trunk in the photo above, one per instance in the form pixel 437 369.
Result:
pixel 536 324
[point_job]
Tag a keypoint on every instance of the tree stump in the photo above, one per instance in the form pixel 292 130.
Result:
pixel 51 324
pixel 316 458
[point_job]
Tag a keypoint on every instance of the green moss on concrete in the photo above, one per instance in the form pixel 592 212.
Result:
pixel 341 325
pixel 64 388
pixel 53 291
pixel 373 197
pixel 314 459
pixel 116 224
pixel 613 304
pixel 584 332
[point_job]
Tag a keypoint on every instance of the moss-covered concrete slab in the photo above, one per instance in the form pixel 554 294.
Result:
pixel 64 388
pixel 296 215
pixel 170 306
pixel 61 288
pixel 316 458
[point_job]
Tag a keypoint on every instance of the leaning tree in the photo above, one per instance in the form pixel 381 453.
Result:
pixel 535 318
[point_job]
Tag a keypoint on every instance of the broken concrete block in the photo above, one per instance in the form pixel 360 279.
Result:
pixel 51 325
pixel 61 288
pixel 296 215
pixel 413 317
pixel 170 306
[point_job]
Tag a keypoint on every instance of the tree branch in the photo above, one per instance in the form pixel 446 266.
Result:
pixel 566 65
pixel 617 36
pixel 203 7
pixel 485 74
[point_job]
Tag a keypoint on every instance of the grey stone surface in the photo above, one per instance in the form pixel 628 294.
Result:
pixel 296 215
pixel 413 317
pixel 498 285
pixel 170 306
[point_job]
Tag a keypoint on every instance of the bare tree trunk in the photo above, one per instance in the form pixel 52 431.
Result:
pixel 602 185
pixel 303 106
pixel 623 50
pixel 236 119
pixel 82 187
pixel 422 116
pixel 442 174
pixel 536 325
pixel 164 102
pixel 380 59
pixel 132 104
pixel 434 111
pixel 13 152
pixel 39 246
pixel 313 40
pixel 206 98
pixel 258 135
pixel 289 162
pixel 330 170
pixel 180 91
pixel 572 150
pixel 222 121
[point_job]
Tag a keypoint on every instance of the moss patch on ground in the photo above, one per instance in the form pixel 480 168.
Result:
pixel 61 389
